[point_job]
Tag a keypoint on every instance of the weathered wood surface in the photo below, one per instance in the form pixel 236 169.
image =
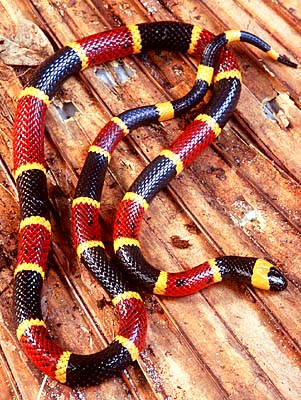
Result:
pixel 241 197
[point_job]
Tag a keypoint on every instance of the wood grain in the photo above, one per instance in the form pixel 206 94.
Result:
pixel 242 196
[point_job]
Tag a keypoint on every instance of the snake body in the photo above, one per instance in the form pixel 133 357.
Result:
pixel 30 175
pixel 171 162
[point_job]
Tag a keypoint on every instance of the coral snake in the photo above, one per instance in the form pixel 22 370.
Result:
pixel 217 65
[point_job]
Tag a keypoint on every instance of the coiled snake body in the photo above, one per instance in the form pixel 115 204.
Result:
pixel 218 64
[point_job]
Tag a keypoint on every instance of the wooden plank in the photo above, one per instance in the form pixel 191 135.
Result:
pixel 289 10
pixel 8 389
pixel 242 197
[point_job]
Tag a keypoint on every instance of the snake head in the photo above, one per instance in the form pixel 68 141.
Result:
pixel 276 279
pixel 266 276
